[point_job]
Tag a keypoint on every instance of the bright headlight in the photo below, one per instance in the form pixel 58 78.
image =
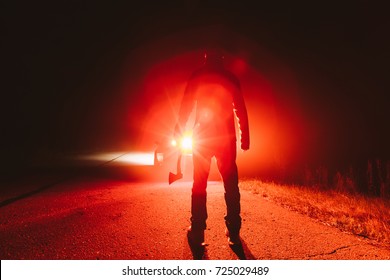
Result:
pixel 185 143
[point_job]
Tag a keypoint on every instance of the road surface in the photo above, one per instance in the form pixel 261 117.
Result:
pixel 114 217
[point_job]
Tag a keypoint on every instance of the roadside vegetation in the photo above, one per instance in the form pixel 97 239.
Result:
pixel 368 217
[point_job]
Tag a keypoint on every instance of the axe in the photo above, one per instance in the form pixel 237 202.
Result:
pixel 174 177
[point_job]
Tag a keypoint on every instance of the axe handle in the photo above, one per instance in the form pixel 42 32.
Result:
pixel 178 167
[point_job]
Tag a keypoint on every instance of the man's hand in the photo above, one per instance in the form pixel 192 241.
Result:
pixel 245 144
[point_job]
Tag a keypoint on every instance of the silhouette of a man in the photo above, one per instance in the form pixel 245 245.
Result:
pixel 216 94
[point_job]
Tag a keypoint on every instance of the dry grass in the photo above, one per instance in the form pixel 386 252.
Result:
pixel 367 217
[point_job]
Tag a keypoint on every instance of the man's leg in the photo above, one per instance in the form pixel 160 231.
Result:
pixel 201 162
pixel 226 161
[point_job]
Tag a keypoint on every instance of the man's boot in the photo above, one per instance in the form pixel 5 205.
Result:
pixel 233 237
pixel 195 237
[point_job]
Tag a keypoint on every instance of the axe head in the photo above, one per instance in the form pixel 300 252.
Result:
pixel 174 177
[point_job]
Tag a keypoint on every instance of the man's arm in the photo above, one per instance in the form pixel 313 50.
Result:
pixel 242 116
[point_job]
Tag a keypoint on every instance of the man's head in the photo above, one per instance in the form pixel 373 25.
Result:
pixel 214 57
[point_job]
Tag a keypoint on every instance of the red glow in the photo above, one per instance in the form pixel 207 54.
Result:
pixel 277 127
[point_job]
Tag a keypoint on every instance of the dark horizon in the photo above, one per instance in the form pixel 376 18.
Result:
pixel 65 65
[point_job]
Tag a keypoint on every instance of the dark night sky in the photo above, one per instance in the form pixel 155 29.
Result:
pixel 62 61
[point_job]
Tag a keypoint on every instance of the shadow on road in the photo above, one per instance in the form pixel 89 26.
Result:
pixel 242 251
pixel 199 252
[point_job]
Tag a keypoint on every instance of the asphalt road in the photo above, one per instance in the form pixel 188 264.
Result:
pixel 114 217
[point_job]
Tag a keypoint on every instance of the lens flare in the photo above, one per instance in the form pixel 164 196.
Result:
pixel 136 158
pixel 186 143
